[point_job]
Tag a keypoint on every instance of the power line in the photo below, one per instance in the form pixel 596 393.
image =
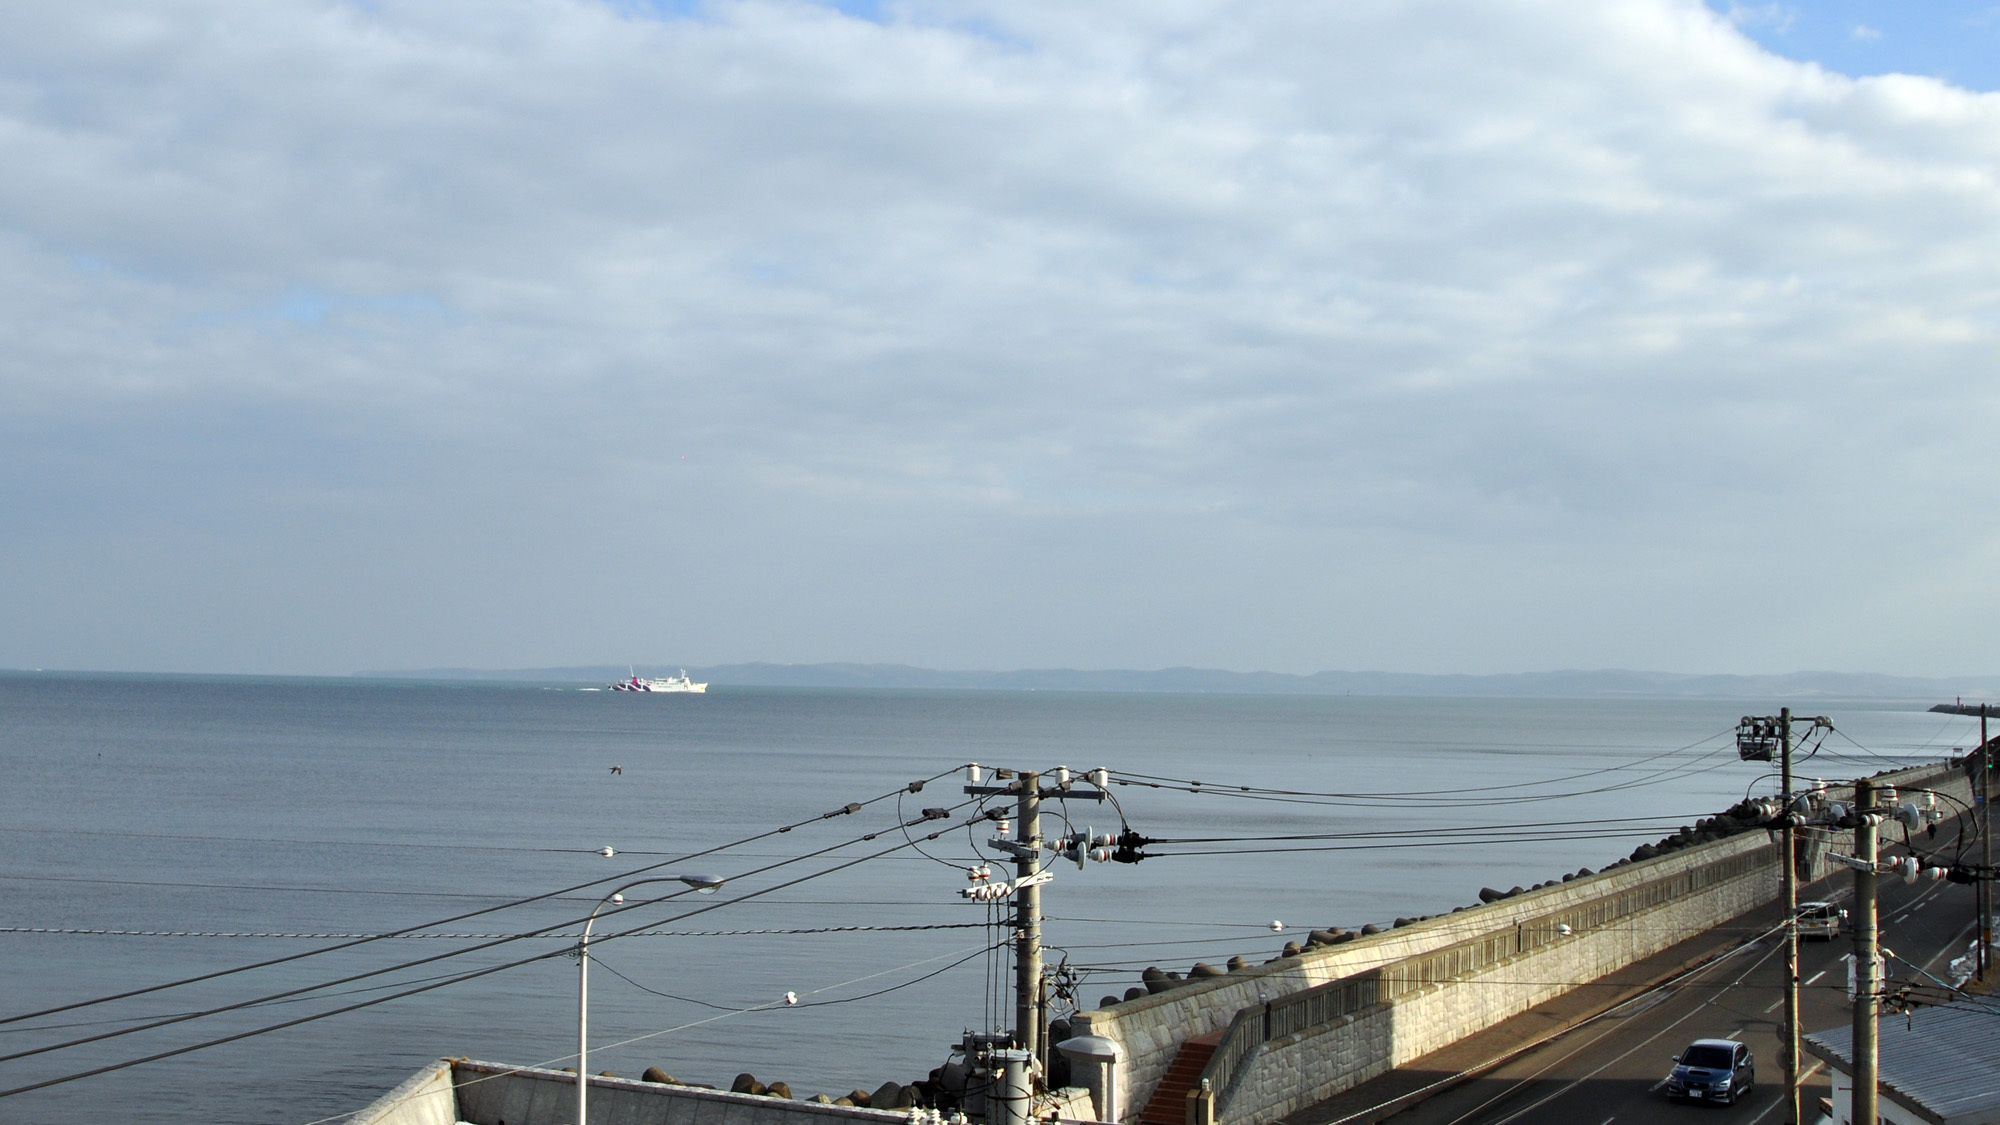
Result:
pixel 1636 822
pixel 1425 794
pixel 422 961
pixel 1442 799
pixel 843 811
pixel 473 937
pixel 980 952
pixel 460 978
pixel 1522 838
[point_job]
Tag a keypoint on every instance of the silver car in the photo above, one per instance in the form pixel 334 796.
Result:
pixel 1820 920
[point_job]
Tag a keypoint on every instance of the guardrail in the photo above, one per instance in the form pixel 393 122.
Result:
pixel 1287 1015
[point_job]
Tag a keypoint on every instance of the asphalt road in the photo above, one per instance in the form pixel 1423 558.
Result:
pixel 1611 1070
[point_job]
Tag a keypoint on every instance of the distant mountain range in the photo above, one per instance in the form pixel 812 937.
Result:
pixel 1606 683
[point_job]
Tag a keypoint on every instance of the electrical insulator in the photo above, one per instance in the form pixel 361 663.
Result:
pixel 607 851
pixel 972 774
pixel 1003 825
pixel 1099 777
pixel 1907 867
pixel 1100 855
pixel 979 874
pixel 1909 815
pixel 1062 776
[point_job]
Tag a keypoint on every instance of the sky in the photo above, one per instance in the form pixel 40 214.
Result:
pixel 1424 335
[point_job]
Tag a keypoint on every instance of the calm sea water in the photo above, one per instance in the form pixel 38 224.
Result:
pixel 157 807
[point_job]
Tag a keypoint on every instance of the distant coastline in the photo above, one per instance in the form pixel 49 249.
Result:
pixel 1567 684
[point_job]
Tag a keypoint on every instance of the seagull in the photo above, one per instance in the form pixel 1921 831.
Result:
pixel 618 769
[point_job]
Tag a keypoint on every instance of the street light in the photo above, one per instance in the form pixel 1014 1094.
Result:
pixel 703 884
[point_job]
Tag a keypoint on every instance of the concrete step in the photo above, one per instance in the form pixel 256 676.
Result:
pixel 1168 1105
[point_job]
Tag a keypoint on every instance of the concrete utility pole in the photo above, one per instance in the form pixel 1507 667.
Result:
pixel 1866 969
pixel 1789 1048
pixel 1983 889
pixel 1026 848
pixel 1028 920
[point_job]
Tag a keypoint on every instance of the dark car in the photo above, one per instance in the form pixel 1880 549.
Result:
pixel 1712 1070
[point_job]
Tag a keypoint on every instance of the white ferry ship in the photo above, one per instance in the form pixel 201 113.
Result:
pixel 679 683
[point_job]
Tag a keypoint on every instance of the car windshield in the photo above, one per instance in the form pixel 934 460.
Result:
pixel 1714 1058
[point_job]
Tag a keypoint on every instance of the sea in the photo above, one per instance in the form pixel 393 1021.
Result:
pixel 255 831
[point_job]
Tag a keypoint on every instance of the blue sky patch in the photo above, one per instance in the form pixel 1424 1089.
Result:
pixel 1956 40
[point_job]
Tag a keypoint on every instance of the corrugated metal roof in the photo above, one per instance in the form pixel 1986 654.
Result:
pixel 1945 1061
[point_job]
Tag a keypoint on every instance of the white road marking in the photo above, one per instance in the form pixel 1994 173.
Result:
pixel 1816 976
pixel 1774 1004
pixel 1780 1102
pixel 1737 1032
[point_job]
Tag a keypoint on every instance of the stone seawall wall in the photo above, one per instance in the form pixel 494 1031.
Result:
pixel 1289 1073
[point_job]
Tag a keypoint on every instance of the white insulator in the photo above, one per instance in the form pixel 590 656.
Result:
pixel 607 851
pixel 973 776
pixel 1101 855
pixel 1099 777
pixel 1062 776
pixel 1907 867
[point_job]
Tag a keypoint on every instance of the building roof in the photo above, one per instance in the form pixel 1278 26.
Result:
pixel 1940 1062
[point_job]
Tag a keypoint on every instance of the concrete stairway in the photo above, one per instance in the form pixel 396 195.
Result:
pixel 1168 1105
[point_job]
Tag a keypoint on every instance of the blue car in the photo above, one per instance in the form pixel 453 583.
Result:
pixel 1712 1070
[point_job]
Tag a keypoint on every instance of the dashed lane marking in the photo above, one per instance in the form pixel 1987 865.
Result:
pixel 1816 976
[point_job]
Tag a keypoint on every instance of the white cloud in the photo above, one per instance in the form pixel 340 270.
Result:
pixel 1514 278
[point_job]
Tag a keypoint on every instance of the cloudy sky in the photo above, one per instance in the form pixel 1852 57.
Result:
pixel 1424 335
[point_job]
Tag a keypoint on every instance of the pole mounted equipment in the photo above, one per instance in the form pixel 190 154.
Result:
pixel 1025 848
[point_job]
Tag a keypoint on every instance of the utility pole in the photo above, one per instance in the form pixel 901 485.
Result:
pixel 1026 848
pixel 1790 857
pixel 1866 971
pixel 1982 897
pixel 1759 739
pixel 1028 919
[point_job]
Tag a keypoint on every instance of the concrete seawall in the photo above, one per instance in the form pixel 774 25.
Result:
pixel 459 1090
pixel 1411 990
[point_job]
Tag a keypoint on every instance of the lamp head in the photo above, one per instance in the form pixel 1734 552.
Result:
pixel 704 884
